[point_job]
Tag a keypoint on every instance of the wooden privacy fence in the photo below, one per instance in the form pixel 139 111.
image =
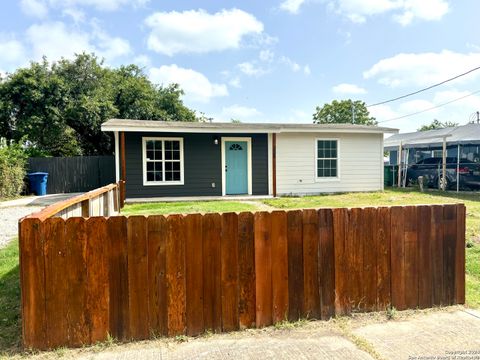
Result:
pixel 75 173
pixel 133 277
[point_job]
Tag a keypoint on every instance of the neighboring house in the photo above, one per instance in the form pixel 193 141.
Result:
pixel 175 159
pixel 416 146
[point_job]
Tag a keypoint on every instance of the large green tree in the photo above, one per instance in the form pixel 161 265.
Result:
pixel 59 107
pixel 343 112
pixel 437 124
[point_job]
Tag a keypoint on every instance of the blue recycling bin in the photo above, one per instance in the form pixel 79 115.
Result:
pixel 38 183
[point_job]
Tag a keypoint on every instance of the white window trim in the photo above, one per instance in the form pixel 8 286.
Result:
pixel 144 162
pixel 249 162
pixel 332 178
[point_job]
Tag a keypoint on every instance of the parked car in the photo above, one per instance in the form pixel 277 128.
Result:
pixel 431 170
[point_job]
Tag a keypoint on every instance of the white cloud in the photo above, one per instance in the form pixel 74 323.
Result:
pixel 292 6
pixel 77 15
pixel 239 112
pixel 13 53
pixel 142 61
pixel 196 31
pixel 102 5
pixel 306 70
pixel 197 87
pixel 345 88
pixel 252 69
pixel 423 69
pixel 404 11
pixel 235 82
pixel 266 55
pixel 34 8
pixel 56 40
pixel 294 66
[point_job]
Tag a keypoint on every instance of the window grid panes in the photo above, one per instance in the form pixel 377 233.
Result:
pixel 163 160
pixel 327 158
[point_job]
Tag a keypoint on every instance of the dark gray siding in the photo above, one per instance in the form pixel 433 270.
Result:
pixel 202 166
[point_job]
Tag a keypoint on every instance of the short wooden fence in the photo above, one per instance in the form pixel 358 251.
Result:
pixel 136 277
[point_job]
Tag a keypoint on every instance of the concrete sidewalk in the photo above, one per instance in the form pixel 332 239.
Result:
pixel 434 334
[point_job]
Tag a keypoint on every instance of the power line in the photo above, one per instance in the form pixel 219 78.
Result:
pixel 424 89
pixel 432 108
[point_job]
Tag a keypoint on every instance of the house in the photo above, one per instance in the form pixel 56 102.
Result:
pixel 191 159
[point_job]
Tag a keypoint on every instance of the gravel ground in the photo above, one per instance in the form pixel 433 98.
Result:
pixel 9 217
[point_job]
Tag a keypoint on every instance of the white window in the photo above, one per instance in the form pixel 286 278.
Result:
pixel 326 158
pixel 162 161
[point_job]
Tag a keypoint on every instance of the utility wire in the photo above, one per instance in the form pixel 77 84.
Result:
pixel 424 89
pixel 433 107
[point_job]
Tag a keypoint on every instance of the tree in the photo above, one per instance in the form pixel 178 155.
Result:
pixel 343 112
pixel 59 107
pixel 436 124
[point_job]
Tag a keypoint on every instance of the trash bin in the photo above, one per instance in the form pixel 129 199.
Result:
pixel 38 183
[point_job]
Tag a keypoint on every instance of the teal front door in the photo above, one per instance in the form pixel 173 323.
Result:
pixel 236 168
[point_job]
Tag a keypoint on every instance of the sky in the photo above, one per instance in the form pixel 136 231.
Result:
pixel 269 61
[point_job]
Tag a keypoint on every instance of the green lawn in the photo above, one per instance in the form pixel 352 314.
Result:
pixel 187 207
pixel 9 271
pixel 9 299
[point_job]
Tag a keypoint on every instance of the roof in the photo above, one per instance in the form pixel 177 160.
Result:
pixel 463 135
pixel 196 127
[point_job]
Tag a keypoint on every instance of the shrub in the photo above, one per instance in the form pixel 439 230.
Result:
pixel 13 160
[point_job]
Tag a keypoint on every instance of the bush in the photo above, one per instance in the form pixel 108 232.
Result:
pixel 13 160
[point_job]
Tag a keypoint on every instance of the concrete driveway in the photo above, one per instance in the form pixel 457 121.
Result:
pixel 13 210
pixel 448 333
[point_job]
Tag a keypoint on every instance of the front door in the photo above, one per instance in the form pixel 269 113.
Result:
pixel 236 168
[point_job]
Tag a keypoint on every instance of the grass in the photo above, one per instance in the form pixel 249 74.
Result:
pixel 9 299
pixel 187 207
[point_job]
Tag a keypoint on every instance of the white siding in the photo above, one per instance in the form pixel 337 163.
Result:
pixel 360 163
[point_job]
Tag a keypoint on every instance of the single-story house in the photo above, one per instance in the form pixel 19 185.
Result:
pixel 192 159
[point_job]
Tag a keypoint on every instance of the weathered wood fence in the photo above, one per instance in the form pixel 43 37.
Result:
pixel 133 277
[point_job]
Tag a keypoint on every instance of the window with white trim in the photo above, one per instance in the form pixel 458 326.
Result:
pixel 163 161
pixel 327 159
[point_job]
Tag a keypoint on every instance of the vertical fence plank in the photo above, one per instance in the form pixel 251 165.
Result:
pixel 97 278
pixel 340 222
pixel 56 288
pixel 326 263
pixel 295 265
pixel 460 256
pixel 397 258
pixel 279 266
pixel 436 251
pixel 246 270
pixel 411 255
pixel 263 269
pixel 157 283
pixel 76 278
pixel 370 250
pixel 449 245
pixel 137 276
pixel 212 287
pixel 118 277
pixel 229 256
pixel 425 294
pixel 354 255
pixel 176 291
pixel 310 264
pixel 194 274
pixel 383 247
pixel 32 271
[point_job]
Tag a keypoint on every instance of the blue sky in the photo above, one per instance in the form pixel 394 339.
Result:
pixel 272 60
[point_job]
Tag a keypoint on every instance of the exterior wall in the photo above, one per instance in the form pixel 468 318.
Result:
pixel 360 163
pixel 202 166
